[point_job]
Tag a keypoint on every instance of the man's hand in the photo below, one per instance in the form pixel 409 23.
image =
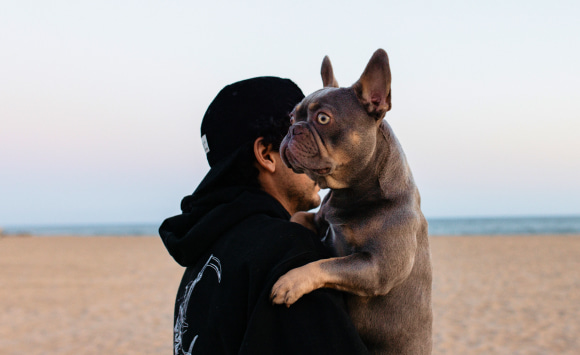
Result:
pixel 306 219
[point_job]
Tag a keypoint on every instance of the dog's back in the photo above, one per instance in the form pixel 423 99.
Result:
pixel 400 321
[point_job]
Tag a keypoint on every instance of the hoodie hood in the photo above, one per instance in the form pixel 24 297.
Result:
pixel 204 219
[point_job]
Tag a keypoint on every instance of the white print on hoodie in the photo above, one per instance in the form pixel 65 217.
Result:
pixel 180 323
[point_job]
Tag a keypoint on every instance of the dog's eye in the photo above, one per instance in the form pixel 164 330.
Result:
pixel 323 118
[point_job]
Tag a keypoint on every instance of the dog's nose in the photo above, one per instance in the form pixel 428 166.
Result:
pixel 295 130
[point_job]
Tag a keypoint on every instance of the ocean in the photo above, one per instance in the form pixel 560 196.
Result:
pixel 437 226
pixel 505 225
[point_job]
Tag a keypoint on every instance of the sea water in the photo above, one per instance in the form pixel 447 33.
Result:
pixel 505 225
pixel 437 226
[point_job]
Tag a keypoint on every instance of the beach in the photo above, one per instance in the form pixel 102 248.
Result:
pixel 115 295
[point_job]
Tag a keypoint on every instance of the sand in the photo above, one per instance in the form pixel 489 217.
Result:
pixel 114 295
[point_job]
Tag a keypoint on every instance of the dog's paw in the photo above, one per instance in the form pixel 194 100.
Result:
pixel 291 286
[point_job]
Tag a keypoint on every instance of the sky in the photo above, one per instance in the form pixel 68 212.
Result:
pixel 101 101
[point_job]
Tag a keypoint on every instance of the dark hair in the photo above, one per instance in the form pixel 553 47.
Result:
pixel 241 113
pixel 242 171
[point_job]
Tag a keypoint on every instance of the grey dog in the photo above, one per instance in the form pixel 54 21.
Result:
pixel 371 218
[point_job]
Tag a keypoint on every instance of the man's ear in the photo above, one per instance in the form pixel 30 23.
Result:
pixel 373 89
pixel 264 157
pixel 328 79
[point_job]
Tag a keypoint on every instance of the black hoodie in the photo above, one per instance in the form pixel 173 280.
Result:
pixel 235 243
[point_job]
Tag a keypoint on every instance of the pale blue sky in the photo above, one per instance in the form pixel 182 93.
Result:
pixel 101 101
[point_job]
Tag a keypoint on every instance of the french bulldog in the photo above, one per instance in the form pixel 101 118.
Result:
pixel 371 219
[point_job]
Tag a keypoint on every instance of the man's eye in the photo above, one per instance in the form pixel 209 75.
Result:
pixel 323 118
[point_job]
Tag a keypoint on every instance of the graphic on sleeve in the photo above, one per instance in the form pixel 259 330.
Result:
pixel 180 323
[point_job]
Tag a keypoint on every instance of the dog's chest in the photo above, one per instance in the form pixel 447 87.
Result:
pixel 335 240
pixel 341 236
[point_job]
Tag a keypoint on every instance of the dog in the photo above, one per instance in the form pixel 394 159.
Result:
pixel 371 218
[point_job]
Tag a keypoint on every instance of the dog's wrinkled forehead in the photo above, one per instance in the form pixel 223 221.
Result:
pixel 309 103
pixel 323 98
pixel 300 110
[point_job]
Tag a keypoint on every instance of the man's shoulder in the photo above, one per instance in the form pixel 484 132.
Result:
pixel 266 243
pixel 277 231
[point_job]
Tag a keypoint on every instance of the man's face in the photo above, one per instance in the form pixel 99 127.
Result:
pixel 300 190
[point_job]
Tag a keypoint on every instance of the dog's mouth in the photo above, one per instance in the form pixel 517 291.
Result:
pixel 322 172
pixel 303 154
pixel 302 167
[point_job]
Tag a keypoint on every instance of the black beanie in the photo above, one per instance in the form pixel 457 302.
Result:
pixel 239 112
pixel 238 115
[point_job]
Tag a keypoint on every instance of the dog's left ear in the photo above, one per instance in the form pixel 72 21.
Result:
pixel 328 79
pixel 373 89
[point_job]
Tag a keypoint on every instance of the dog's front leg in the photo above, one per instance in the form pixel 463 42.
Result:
pixel 362 273
pixel 350 273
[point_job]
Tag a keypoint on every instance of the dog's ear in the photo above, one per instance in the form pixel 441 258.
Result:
pixel 373 89
pixel 328 79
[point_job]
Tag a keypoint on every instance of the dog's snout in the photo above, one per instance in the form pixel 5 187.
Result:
pixel 295 130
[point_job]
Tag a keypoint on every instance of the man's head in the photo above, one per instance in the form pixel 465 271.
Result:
pixel 241 133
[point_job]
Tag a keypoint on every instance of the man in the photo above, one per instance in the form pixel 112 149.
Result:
pixel 235 238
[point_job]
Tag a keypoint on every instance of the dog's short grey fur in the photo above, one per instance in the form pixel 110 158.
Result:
pixel 371 218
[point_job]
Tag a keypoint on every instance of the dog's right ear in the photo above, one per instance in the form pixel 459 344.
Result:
pixel 328 79
pixel 373 89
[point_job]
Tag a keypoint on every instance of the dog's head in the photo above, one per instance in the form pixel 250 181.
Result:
pixel 334 130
